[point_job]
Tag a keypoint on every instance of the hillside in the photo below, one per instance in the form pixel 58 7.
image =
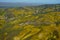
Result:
pixel 30 23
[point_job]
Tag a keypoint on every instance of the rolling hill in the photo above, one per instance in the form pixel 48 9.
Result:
pixel 30 22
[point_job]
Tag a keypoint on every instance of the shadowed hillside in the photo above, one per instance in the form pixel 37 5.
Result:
pixel 30 23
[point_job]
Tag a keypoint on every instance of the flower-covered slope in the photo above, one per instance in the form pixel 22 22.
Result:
pixel 30 23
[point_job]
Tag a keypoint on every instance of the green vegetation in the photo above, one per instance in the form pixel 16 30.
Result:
pixel 30 23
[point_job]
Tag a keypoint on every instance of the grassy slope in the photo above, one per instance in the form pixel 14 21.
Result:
pixel 30 23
